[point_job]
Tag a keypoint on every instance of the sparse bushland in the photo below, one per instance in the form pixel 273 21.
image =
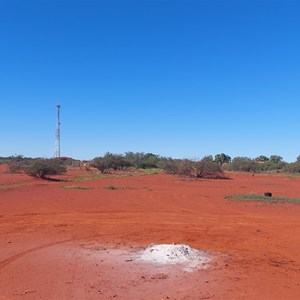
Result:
pixel 244 164
pixel 204 168
pixel 207 167
pixel 170 165
pixel 271 166
pixel 142 160
pixel 17 163
pixel 21 164
pixel 292 167
pixel 110 161
pixel 261 164
pixel 42 168
pixel 119 162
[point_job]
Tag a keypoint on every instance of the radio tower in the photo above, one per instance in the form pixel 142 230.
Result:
pixel 57 151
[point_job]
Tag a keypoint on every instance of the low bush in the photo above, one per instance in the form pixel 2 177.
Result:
pixel 18 163
pixel 44 167
pixel 204 168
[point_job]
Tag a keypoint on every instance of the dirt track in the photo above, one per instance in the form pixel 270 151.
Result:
pixel 61 243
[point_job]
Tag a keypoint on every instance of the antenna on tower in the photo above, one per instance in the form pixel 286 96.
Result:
pixel 57 151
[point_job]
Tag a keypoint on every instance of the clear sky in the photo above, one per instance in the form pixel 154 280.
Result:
pixel 175 78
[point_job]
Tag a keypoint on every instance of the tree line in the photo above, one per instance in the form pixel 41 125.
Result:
pixel 206 167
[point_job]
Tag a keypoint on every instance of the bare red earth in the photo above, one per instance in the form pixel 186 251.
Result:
pixel 59 243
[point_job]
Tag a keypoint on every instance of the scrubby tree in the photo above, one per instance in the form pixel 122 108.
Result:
pixel 101 164
pixel 44 167
pixel 149 160
pixel 270 166
pixel 275 158
pixel 132 157
pixel 142 160
pixel 206 167
pixel 116 161
pixel 222 159
pixel 185 167
pixel 17 163
pixel 244 164
pixel 170 165
pixel 262 158
pixel 110 161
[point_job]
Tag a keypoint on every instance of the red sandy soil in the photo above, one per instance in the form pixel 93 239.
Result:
pixel 58 243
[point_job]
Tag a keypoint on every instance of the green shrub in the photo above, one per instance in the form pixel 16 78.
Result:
pixel 142 160
pixel 244 164
pixel 101 164
pixel 222 158
pixel 110 161
pixel 44 167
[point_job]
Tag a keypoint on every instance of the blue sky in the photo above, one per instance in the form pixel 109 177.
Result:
pixel 175 78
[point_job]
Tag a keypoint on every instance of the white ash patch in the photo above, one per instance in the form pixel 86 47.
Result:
pixel 166 254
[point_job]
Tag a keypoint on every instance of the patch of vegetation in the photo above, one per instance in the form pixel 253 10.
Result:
pixel 140 160
pixel 76 187
pixel 151 171
pixel 17 163
pixel 139 164
pixel 222 158
pixel 44 167
pixel 259 198
pixel 12 186
pixel 261 164
pixel 110 161
pixel 203 168
pixel 114 187
pixel 21 164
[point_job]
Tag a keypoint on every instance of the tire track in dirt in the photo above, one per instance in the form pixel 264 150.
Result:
pixel 11 259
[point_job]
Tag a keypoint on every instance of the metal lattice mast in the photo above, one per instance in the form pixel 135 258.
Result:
pixel 57 154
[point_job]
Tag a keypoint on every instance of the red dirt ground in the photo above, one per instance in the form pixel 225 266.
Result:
pixel 59 243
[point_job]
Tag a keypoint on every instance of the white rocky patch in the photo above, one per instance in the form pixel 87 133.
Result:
pixel 166 254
